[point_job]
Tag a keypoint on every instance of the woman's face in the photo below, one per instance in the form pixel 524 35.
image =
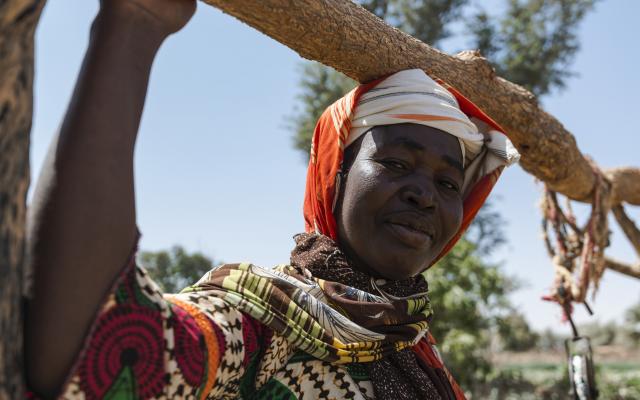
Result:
pixel 400 202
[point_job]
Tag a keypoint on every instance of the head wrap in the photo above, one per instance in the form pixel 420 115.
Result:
pixel 411 96
pixel 408 96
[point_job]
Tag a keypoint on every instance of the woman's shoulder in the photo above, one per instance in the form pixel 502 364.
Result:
pixel 147 344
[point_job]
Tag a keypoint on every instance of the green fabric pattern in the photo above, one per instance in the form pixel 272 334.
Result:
pixel 124 387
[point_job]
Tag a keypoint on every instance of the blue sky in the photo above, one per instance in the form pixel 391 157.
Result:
pixel 215 167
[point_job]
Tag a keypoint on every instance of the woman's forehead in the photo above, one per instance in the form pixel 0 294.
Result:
pixel 413 138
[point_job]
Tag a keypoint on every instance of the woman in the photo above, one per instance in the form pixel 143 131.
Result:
pixel 398 170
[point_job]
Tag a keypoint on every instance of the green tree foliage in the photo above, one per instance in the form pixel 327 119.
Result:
pixel 175 269
pixel 468 297
pixel 321 86
pixel 550 341
pixel 599 333
pixel 515 333
pixel 632 325
pixel 532 43
pixel 486 230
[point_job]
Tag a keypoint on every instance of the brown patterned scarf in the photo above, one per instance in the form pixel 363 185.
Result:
pixel 399 375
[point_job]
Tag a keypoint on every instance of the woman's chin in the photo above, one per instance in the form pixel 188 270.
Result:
pixel 397 273
pixel 403 265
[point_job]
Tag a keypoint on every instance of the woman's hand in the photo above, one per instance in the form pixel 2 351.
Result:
pixel 162 16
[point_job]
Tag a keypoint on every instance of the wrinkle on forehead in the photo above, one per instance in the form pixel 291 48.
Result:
pixel 418 138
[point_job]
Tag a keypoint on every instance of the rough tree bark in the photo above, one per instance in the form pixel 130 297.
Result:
pixel 18 19
pixel 343 35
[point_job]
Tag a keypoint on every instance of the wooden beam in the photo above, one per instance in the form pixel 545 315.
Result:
pixel 343 35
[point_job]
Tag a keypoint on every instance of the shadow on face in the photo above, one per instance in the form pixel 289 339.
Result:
pixel 400 201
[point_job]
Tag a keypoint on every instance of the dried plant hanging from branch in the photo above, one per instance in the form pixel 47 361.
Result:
pixel 577 253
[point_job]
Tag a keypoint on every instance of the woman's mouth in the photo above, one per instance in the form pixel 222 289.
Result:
pixel 409 235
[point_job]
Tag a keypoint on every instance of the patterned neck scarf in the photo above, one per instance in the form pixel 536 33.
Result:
pixel 398 375
pixel 323 307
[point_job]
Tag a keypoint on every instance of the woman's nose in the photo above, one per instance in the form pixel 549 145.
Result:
pixel 420 196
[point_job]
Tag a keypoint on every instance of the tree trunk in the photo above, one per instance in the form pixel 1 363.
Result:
pixel 18 19
pixel 343 35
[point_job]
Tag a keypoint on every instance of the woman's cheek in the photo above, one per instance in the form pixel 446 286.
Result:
pixel 366 182
pixel 453 218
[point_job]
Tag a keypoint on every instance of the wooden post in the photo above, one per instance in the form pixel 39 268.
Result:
pixel 18 19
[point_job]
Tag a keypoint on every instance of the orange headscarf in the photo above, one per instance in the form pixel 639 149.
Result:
pixel 327 151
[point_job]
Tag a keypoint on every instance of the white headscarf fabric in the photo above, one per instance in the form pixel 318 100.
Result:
pixel 411 96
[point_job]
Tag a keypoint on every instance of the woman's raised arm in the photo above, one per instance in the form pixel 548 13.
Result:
pixel 82 224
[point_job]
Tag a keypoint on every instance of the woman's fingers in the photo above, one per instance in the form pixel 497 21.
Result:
pixel 167 16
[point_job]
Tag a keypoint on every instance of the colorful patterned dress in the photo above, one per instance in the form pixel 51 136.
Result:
pixel 148 345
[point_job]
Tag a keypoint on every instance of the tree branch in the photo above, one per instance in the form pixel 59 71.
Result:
pixel 625 185
pixel 630 270
pixel 628 227
pixel 345 36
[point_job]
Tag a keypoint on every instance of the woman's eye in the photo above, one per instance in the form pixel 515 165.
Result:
pixel 395 164
pixel 449 185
